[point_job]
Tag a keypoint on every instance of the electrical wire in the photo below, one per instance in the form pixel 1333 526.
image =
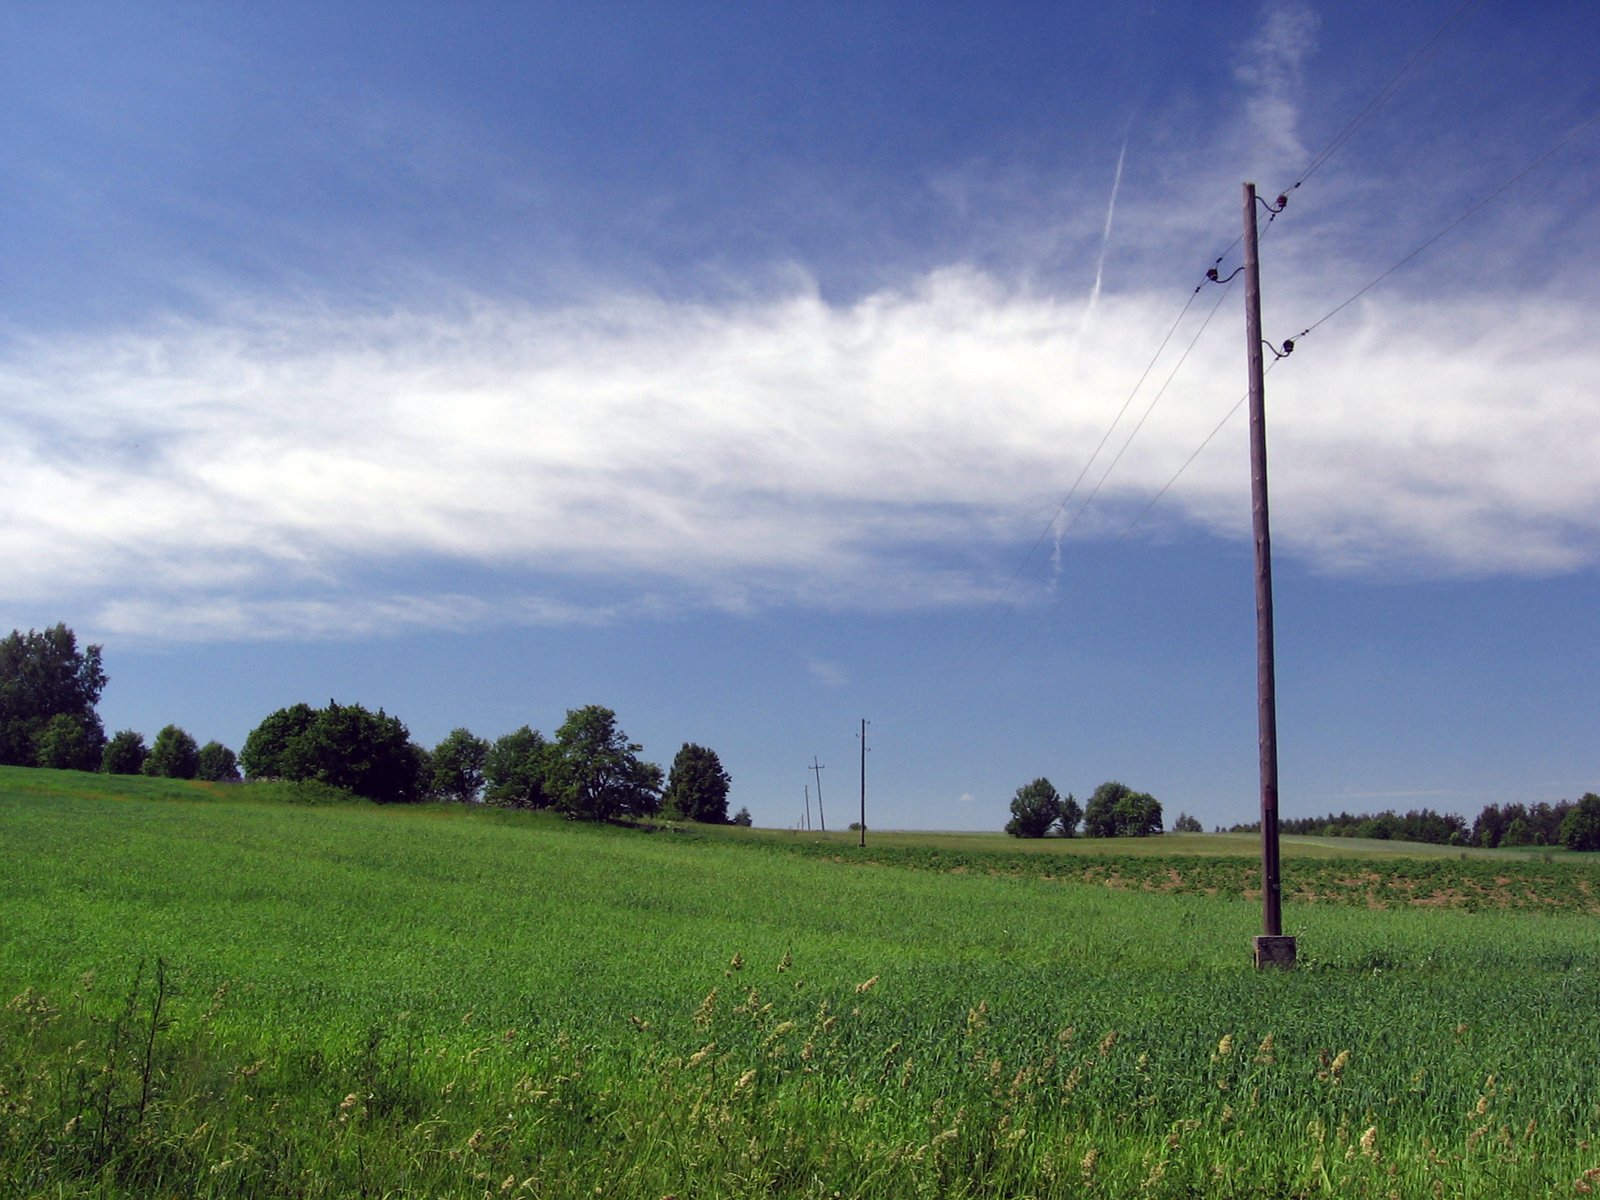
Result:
pixel 1340 307
pixel 1476 208
pixel 1408 69
pixel 1385 93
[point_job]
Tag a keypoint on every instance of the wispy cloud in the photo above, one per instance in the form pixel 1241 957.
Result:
pixel 1271 67
pixel 250 475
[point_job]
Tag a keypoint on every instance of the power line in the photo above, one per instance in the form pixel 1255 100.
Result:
pixel 1481 204
pixel 1385 93
pixel 1342 305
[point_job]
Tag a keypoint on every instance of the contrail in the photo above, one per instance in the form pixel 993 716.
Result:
pixel 1105 237
pixel 1058 527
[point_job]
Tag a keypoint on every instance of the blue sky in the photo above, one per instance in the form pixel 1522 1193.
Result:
pixel 735 366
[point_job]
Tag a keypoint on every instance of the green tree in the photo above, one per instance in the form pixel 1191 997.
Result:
pixel 742 817
pixel 1580 828
pixel 1116 810
pixel 596 772
pixel 1187 824
pixel 124 754
pixel 1138 815
pixel 174 754
pixel 1489 828
pixel 1100 814
pixel 1034 809
pixel 45 675
pixel 66 745
pixel 217 764
pixel 343 746
pixel 1071 815
pixel 516 771
pixel 266 747
pixel 1518 833
pixel 457 766
pixel 697 786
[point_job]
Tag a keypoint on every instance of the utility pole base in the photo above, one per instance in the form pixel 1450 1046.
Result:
pixel 1274 952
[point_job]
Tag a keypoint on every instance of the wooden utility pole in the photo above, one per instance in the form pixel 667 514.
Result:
pixel 808 807
pixel 1272 948
pixel 816 768
pixel 864 723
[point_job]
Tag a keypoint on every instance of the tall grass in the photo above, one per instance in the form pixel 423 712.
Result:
pixel 221 996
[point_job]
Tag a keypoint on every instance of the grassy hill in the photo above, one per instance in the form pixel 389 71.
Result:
pixel 448 1002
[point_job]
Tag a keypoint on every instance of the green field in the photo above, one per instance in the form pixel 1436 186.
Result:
pixel 220 991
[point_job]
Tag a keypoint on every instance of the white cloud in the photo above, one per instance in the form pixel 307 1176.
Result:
pixel 1270 69
pixel 249 475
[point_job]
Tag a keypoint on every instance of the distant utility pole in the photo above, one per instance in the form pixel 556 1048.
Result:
pixel 1272 948
pixel 817 768
pixel 863 735
pixel 808 806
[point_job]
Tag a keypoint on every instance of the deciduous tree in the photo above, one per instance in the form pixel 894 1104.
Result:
pixel 217 764
pixel 457 766
pixel 697 786
pixel 1034 809
pixel 42 676
pixel 517 771
pixel 1116 810
pixel 1580 828
pixel 1071 816
pixel 596 771
pixel 66 745
pixel 124 754
pixel 342 745
pixel 263 756
pixel 174 754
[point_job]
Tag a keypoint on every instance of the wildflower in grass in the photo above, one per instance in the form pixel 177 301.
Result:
pixel 736 963
pixel 707 1010
pixel 745 1080
pixel 867 986
pixel 977 1018
pixel 1107 1042
pixel 1264 1052
pixel 1369 1142
pixel 785 962
pixel 1090 1161
pixel 1336 1068
pixel 1224 1048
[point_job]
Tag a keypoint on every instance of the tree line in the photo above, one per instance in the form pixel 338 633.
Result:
pixel 1114 810
pixel 1569 823
pixel 589 770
